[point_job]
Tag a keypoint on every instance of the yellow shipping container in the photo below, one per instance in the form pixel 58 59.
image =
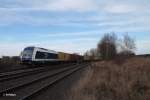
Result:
pixel 61 56
pixel 64 56
pixel 67 57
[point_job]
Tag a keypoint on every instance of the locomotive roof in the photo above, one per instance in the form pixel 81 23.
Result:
pixel 41 49
pixel 46 49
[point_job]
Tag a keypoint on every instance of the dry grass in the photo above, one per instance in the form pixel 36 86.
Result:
pixel 107 80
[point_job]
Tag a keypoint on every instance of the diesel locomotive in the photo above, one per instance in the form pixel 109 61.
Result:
pixel 42 55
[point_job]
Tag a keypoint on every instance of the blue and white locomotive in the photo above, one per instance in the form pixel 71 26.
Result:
pixel 36 54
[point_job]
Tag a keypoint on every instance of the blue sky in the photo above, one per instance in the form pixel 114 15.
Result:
pixel 71 25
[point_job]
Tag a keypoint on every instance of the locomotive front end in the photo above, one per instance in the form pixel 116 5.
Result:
pixel 27 54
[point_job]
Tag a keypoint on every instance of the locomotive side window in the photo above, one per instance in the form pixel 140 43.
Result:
pixel 40 55
pixel 45 55
pixel 52 56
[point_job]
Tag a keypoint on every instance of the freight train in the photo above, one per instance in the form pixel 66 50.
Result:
pixel 41 55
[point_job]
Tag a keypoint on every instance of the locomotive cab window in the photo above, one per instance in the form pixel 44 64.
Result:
pixel 28 52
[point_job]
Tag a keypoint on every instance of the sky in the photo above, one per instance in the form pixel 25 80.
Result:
pixel 72 26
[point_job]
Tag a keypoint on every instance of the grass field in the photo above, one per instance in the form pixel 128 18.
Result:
pixel 114 80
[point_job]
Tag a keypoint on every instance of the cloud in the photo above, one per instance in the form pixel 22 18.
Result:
pixel 120 8
pixel 143 47
pixel 118 22
pixel 113 6
pixel 53 5
pixel 144 44
pixel 78 5
pixel 19 12
pixel 77 18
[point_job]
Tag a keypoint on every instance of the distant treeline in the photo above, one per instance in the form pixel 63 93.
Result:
pixel 110 46
pixel 143 55
pixel 8 59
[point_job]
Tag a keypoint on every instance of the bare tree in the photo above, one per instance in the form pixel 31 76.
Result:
pixel 87 55
pixel 127 45
pixel 107 46
pixel 91 54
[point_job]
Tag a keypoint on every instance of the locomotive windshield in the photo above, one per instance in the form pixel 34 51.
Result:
pixel 28 52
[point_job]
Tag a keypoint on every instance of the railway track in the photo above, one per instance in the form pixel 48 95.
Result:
pixel 20 73
pixel 24 88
